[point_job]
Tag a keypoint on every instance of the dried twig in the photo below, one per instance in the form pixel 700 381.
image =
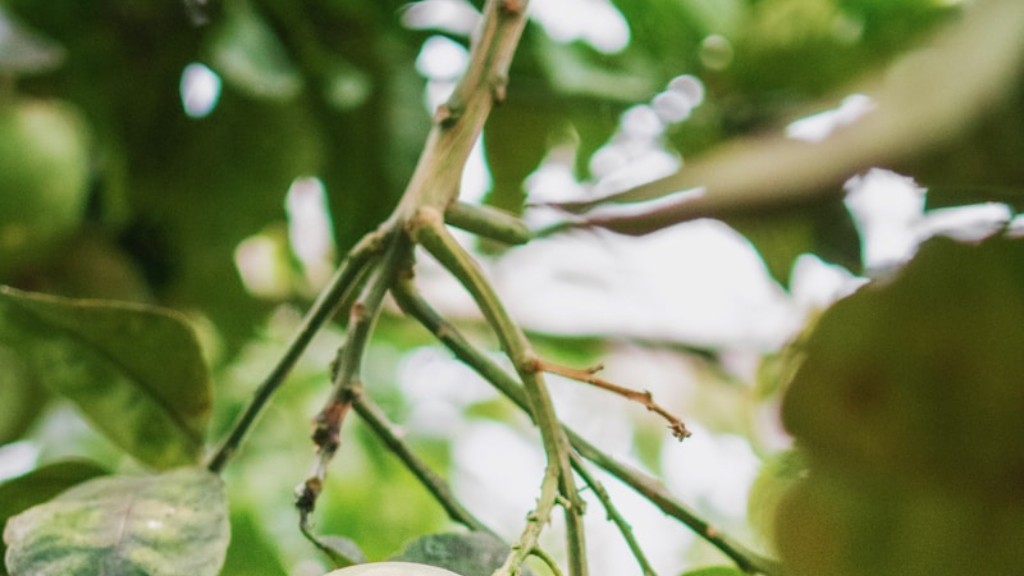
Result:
pixel 588 376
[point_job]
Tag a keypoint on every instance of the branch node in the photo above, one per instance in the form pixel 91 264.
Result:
pixel 499 88
pixel 513 7
pixel 446 115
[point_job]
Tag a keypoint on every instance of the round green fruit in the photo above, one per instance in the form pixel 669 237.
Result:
pixel 392 569
pixel 44 172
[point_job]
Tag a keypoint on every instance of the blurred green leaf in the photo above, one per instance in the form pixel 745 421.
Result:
pixel 38 486
pixel 916 107
pixel 167 525
pixel 22 396
pixel 907 361
pixel 778 473
pixel 251 552
pixel 899 380
pixel 471 554
pixel 982 165
pixel 136 372
pixel 716 571
pixel 824 228
pixel 574 70
pixel 25 51
pixel 247 52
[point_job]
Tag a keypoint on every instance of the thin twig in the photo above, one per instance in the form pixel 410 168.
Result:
pixel 656 493
pixel 588 376
pixel 429 230
pixel 346 281
pixel 415 306
pixel 387 432
pixel 346 369
pixel 548 561
pixel 616 517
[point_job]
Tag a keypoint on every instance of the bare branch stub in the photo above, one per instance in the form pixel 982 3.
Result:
pixel 643 397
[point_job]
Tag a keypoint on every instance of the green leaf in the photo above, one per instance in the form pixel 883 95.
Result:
pixel 23 50
pixel 392 569
pixel 166 525
pixel 905 403
pixel 917 107
pixel 342 551
pixel 472 554
pixel 716 571
pixel 251 553
pixel 777 475
pixel 136 372
pixel 925 368
pixel 780 236
pixel 248 53
pixel 22 399
pixel 38 486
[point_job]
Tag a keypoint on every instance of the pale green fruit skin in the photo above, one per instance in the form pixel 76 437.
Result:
pixel 44 173
pixel 392 569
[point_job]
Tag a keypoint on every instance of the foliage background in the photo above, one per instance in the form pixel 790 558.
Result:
pixel 339 91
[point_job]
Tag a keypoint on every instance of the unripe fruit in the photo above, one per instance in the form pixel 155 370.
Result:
pixel 44 169
pixel 392 569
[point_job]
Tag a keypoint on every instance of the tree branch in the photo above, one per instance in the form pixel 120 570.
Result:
pixel 414 305
pixel 645 398
pixel 429 231
pixel 438 488
pixel 346 281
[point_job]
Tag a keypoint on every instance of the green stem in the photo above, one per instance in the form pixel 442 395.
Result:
pixel 652 490
pixel 428 229
pixel 615 516
pixel 488 222
pixel 346 374
pixel 346 281
pixel 438 488
pixel 415 306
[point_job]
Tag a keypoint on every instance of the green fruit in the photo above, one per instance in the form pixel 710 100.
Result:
pixel 44 168
pixel 392 569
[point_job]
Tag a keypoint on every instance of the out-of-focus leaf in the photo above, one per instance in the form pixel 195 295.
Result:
pixel 342 551
pixel 899 380
pixel 345 86
pixel 38 486
pixel 396 520
pixel 194 207
pixel 472 554
pixel 247 52
pixel 982 165
pixel 250 551
pixel 824 228
pixel 777 475
pixel 907 361
pixel 716 571
pixel 135 371
pixel 916 106
pixel 392 569
pixel 25 51
pixel 22 397
pixel 516 139
pixel 574 70
pixel 167 525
